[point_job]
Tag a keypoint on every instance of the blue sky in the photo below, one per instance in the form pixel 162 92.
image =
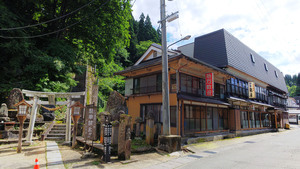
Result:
pixel 271 28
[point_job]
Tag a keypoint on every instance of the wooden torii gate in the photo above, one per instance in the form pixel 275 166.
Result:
pixel 51 100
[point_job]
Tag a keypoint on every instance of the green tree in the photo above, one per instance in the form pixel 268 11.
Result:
pixel 142 47
pixel 288 80
pixel 150 33
pixel 294 79
pixel 95 34
pixel 141 31
pixel 298 85
pixel 141 28
pixel 292 90
pixel 298 80
pixel 133 42
pixel 108 82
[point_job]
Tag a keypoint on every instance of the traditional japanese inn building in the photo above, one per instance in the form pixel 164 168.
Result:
pixel 217 84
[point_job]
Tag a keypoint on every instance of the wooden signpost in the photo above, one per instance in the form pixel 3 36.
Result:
pixel 90 122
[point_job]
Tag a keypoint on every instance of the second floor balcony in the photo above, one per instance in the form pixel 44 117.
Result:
pixel 147 89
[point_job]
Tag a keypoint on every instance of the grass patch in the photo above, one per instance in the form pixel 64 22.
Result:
pixel 68 165
pixel 201 140
pixel 137 144
pixel 58 122
pixel 95 162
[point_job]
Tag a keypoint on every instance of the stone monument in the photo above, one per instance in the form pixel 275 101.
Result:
pixel 115 105
pixel 138 121
pixel 128 144
pixel 150 128
pixel 115 132
pixel 14 97
pixel 47 114
pixel 124 142
pixel 4 113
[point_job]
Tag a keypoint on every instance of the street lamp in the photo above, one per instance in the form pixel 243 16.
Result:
pixel 23 108
pixel 184 38
pixel 76 109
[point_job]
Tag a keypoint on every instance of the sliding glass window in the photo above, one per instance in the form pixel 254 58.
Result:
pixel 209 116
pixel 265 119
pixel 200 118
pixel 244 119
pixel 257 119
pixel 203 119
pixel 221 119
pixel 215 118
pixel 252 120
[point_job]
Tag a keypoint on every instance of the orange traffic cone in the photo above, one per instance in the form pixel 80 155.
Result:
pixel 36 166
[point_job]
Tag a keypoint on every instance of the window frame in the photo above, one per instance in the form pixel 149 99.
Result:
pixel 252 58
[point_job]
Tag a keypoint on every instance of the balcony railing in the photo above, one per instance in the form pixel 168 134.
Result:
pixel 278 105
pixel 242 92
pixel 237 90
pixel 147 89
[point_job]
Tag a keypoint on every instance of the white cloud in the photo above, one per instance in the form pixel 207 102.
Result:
pixel 271 28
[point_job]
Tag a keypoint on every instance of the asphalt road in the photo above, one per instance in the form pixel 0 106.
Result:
pixel 271 150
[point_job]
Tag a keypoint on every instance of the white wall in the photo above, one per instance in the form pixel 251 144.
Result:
pixel 187 50
pixel 128 87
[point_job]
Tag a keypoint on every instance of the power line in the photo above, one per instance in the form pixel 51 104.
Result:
pixel 28 26
pixel 178 20
pixel 45 34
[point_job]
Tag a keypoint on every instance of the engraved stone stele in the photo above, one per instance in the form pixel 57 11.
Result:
pixel 115 132
pixel 115 105
pixel 138 121
pixel 14 97
pixel 127 145
pixel 150 128
pixel 124 142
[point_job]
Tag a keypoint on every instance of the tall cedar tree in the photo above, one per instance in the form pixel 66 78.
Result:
pixel 141 31
pixel 298 85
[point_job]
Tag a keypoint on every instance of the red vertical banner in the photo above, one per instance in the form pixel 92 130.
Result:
pixel 209 84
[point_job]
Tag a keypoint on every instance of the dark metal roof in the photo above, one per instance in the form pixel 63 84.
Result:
pixel 144 64
pixel 156 45
pixel 222 49
pixel 157 61
pixel 201 99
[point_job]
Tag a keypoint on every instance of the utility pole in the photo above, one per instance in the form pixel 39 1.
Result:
pixel 165 74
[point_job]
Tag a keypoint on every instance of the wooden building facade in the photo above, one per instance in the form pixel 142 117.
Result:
pixel 193 110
